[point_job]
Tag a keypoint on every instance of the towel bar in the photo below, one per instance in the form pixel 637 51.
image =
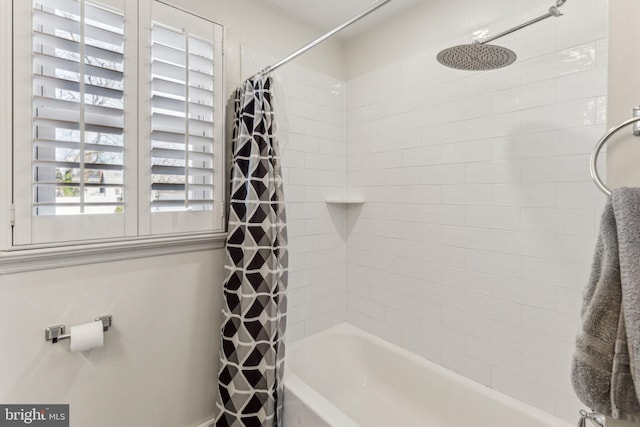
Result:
pixel 595 176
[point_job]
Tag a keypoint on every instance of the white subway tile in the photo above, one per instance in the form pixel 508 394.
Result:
pixel 574 32
pixel 357 286
pixel 514 385
pixel 522 243
pixel 464 152
pixel 442 174
pixel 359 320
pixel 471 281
pixel 494 263
pixel 588 84
pixel 422 232
pixel 493 172
pixel 560 116
pixel 532 343
pixel 568 301
pixel 402 319
pixel 602 52
pixel 557 273
pixel 387 332
pixel 443 254
pixel 494 126
pixel 533 43
pixel 386 296
pixel 466 237
pixel 438 135
pixel 470 367
pixel 564 62
pixel 422 270
pixel 417 344
pixel 365 306
pixel 319 323
pixel 492 308
pixel 579 222
pixel 422 156
pixel 575 248
pixel 556 143
pixel 549 323
pixel 496 80
pixel 523 195
pixel 295 227
pixel 558 169
pixel 532 294
pixel 601 110
pixel 442 335
pixel 470 194
pixel 442 214
pixel 523 97
pixel 505 218
pixel 579 195
pixel 466 323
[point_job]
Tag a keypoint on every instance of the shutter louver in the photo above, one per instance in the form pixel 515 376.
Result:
pixel 78 108
pixel 182 121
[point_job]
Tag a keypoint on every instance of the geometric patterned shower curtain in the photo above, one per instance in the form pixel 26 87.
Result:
pixel 250 386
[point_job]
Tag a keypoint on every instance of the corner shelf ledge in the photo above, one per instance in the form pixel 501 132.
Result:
pixel 344 201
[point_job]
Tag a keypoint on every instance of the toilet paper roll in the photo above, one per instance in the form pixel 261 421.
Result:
pixel 87 336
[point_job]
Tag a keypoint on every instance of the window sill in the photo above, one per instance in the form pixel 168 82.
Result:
pixel 19 261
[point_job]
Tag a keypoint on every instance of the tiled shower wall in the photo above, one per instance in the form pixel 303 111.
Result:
pixel 313 147
pixel 480 218
pixel 310 109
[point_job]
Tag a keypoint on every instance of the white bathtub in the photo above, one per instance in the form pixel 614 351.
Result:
pixel 345 377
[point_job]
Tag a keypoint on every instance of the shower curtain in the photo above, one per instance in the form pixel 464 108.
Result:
pixel 250 388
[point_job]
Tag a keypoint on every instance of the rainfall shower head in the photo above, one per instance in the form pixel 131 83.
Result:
pixel 476 57
pixel 479 56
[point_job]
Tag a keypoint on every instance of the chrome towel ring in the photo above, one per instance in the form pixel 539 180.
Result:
pixel 595 176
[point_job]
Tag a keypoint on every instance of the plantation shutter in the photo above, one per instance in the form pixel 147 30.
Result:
pixel 75 141
pixel 78 102
pixel 182 121
pixel 185 121
pixel 117 122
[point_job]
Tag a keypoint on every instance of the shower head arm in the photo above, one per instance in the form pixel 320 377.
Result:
pixel 554 11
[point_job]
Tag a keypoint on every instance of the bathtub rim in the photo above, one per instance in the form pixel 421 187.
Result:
pixel 316 402
pixel 324 409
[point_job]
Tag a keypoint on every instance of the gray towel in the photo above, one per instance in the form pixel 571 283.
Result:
pixel 607 355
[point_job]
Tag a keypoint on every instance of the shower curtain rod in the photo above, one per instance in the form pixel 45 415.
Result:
pixel 319 40
pixel 554 11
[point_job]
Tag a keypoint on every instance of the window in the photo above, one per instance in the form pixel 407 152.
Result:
pixel 118 129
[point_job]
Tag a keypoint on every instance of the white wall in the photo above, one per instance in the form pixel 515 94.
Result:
pixel 159 363
pixel 476 239
pixel 623 151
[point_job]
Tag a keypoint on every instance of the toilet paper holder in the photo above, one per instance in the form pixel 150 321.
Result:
pixel 57 332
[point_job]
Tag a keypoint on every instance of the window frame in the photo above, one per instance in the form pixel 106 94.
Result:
pixel 14 259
